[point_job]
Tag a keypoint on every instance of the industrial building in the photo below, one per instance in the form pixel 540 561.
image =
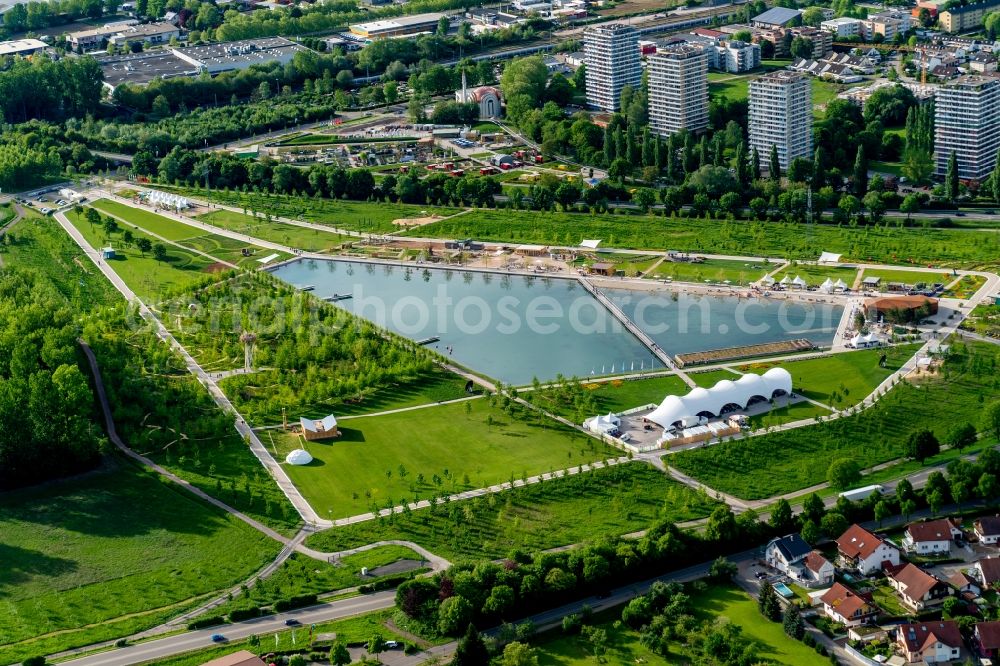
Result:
pixel 967 123
pixel 678 89
pixel 151 34
pixel 612 58
pixel 22 47
pixel 780 115
pixel 400 26
pixel 95 38
pixel 141 68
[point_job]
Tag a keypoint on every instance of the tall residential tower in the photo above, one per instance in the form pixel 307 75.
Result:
pixel 781 116
pixel 611 53
pixel 678 89
pixel 967 123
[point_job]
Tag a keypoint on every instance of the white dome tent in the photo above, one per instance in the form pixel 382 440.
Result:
pixel 840 285
pixel 785 281
pixel 798 281
pixel 724 397
pixel 299 457
pixel 827 286
pixel 767 279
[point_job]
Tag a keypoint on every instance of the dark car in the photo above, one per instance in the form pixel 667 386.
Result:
pixel 218 638
pixel 292 622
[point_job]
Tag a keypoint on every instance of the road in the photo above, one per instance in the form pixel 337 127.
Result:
pixel 194 640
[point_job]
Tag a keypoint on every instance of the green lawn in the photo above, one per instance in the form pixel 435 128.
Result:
pixel 787 414
pixel 733 86
pixel 146 276
pixel 772 239
pixel 717 602
pixel 894 168
pixel 750 468
pixel 716 270
pixel 815 274
pixel 578 402
pixel 311 240
pixel 300 575
pixel 151 222
pixel 108 554
pixel 710 378
pixel 39 243
pixel 844 379
pixel 574 509
pixel 354 215
pixel 908 277
pixel 464 450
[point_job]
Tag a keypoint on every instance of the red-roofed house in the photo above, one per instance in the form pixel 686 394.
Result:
pixel 844 605
pixel 707 32
pixel 917 588
pixel 988 571
pixel 865 552
pixel 931 536
pixel 819 570
pixel 987 530
pixel 930 642
pixel 987 639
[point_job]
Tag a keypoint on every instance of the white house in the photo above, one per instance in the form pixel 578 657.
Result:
pixel 917 588
pixel 930 537
pixel 987 530
pixel 930 642
pixel 844 605
pixel 865 552
pixel 796 559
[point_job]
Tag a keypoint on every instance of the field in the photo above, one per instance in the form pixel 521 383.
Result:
pixel 40 244
pixel 624 646
pixel 311 240
pixel 734 86
pixel 353 215
pixel 709 378
pixel 146 276
pixel 841 380
pixel 108 554
pixel 716 270
pixel 612 501
pixel 605 397
pixel 772 239
pixel 908 277
pixel 751 470
pixel 384 460
pixel 219 247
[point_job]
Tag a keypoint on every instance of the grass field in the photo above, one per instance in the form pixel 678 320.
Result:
pixel 108 554
pixel 841 380
pixel 556 513
pixel 772 239
pixel 613 396
pixel 463 450
pixel 219 247
pixel 311 240
pixel 709 378
pixel 146 276
pixel 40 244
pixel 353 215
pixel 716 270
pixel 908 277
pixel 624 646
pixel 734 86
pixel 750 468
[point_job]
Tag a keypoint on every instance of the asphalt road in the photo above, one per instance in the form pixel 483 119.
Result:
pixel 194 640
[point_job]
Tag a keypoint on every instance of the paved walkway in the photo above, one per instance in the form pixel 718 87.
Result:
pixel 437 562
pixel 261 453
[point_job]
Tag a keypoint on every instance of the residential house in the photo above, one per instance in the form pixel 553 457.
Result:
pixel 917 588
pixel 929 642
pixel 793 557
pixel 987 571
pixel 930 537
pixel 967 586
pixel 987 530
pixel 986 638
pixel 864 552
pixel 844 605
pixel 981 63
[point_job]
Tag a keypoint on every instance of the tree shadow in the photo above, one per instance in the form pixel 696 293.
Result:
pixel 20 564
pixel 348 435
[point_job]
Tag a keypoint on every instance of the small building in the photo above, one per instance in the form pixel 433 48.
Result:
pixel 488 98
pixel 987 530
pixel 608 424
pixel 987 570
pixel 929 642
pixel 865 552
pixel 502 161
pixel 967 586
pixel 150 33
pixel 601 268
pixel 776 17
pixel 108 253
pixel 844 605
pixel 22 47
pixel 842 28
pixel 241 658
pixel 786 553
pixel 325 428
pixel 986 638
pixel 930 537
pixel 901 308
pixel 917 588
pixel 817 571
pixel 871 282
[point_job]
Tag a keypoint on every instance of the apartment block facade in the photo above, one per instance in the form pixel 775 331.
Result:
pixel 780 115
pixel 611 53
pixel 967 122
pixel 678 89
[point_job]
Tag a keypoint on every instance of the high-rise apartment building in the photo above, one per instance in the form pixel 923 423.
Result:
pixel 967 122
pixel 611 53
pixel 678 89
pixel 780 115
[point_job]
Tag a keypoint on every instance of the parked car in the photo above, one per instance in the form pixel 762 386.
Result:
pixel 393 645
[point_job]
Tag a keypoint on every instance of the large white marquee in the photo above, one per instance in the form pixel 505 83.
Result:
pixel 725 396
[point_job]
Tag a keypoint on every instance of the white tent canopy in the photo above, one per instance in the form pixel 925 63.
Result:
pixel 603 425
pixel 590 244
pixel 767 279
pixel 785 280
pixel 299 457
pixel 829 258
pixel 827 286
pixel 840 284
pixel 326 424
pixel 686 408
pixel 798 281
